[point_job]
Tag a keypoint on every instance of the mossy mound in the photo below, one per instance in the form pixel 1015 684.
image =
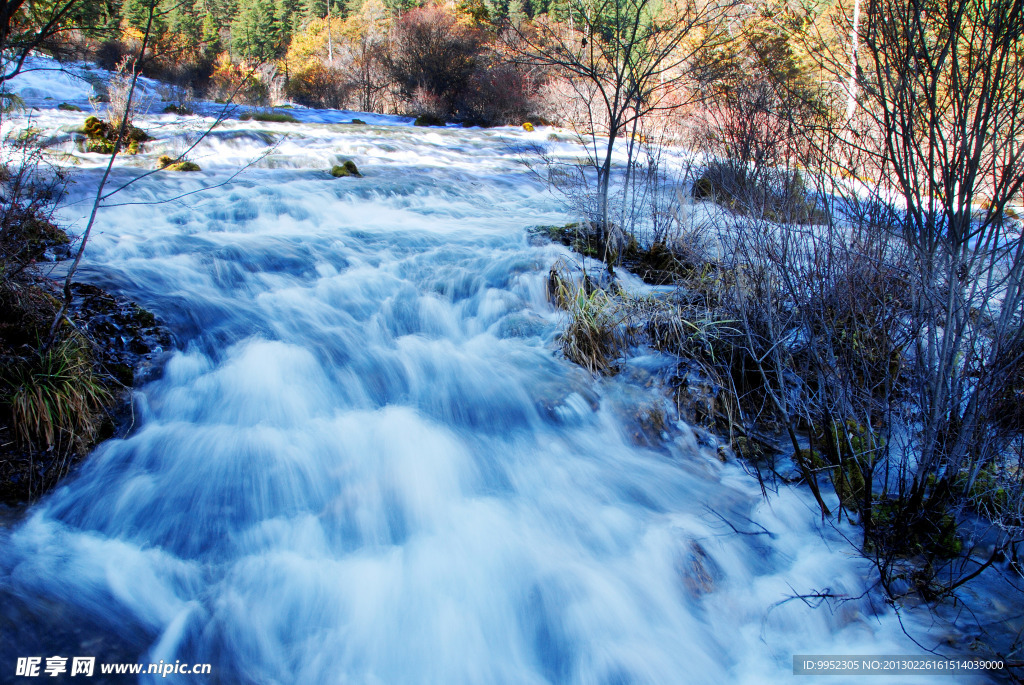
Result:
pixel 272 117
pixel 656 265
pixel 579 236
pixel 987 494
pixel 66 107
pixel 167 162
pixel 95 127
pixel 357 121
pixel 101 137
pixel 747 448
pixel 528 127
pixel 703 188
pixel 851 450
pixel 347 168
pixel 26 238
pixel 428 120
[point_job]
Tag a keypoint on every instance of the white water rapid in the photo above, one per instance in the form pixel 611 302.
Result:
pixel 367 463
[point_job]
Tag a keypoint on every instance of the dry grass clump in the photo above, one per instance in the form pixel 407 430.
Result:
pixel 55 395
pixel 594 336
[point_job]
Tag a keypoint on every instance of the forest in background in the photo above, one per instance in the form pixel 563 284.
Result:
pixel 450 61
pixel 396 57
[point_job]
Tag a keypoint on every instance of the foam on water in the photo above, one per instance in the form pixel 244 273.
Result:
pixel 366 463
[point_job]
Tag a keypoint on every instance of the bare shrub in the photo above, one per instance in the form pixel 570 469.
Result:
pixel 431 53
pixel 120 107
pixel 927 69
pixel 762 104
pixel 500 93
pixel 426 103
pixel 30 189
pixel 362 62
pixel 319 85
pixel 623 61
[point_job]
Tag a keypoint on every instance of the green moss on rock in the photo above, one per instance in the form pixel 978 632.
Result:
pixel 167 162
pixel 347 168
pixel 101 137
pixel 703 188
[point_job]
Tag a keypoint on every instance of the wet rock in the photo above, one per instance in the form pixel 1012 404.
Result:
pixel 269 117
pixel 521 325
pixel 428 120
pixel 566 403
pixel 101 137
pixel 168 163
pixel 126 336
pixel 699 399
pixel 347 168
pixel 699 572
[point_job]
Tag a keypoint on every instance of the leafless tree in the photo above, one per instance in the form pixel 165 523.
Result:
pixel 624 60
pixel 943 119
pixel 910 293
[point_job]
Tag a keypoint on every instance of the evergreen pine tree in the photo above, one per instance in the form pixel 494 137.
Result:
pixel 313 9
pixel 351 7
pixel 253 32
pixel 284 11
pixel 516 10
pixel 135 13
pixel 183 22
pixel 400 6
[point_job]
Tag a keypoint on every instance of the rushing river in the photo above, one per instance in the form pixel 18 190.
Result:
pixel 365 462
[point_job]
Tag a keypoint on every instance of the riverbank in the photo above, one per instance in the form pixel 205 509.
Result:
pixel 683 303
pixel 63 398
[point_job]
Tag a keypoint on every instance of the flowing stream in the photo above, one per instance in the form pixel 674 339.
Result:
pixel 366 462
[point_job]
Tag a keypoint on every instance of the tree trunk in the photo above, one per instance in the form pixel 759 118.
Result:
pixel 330 45
pixel 851 103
